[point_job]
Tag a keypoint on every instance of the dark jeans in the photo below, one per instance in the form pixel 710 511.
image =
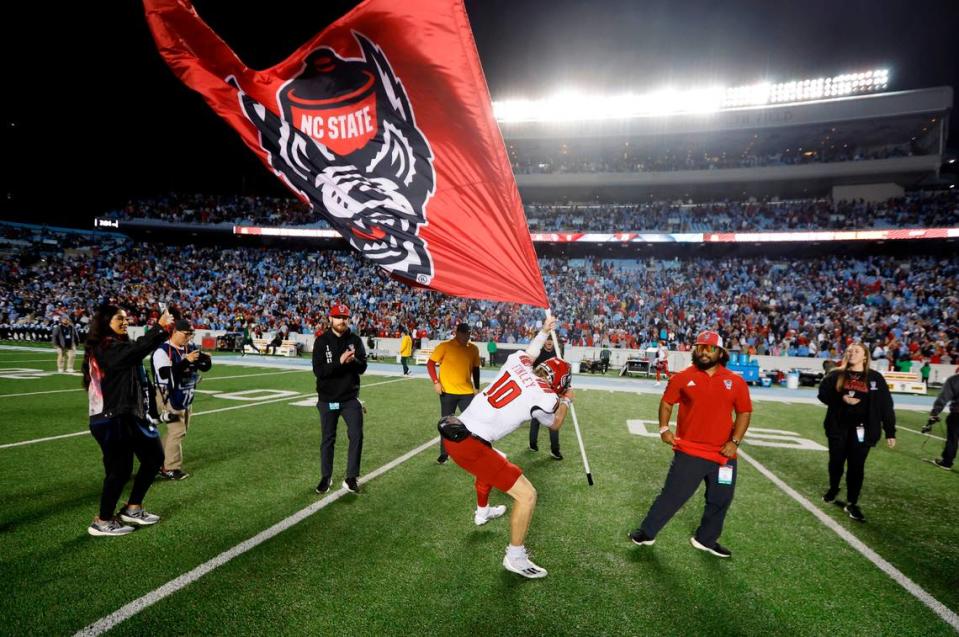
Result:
pixel 534 435
pixel 847 452
pixel 406 366
pixel 352 412
pixel 448 406
pixel 685 475
pixel 952 439
pixel 120 439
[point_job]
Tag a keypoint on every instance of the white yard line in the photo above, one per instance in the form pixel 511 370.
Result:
pixel 5 361
pixel 37 393
pixel 101 626
pixel 290 371
pixel 22 348
pixel 898 576
pixel 193 415
pixel 900 427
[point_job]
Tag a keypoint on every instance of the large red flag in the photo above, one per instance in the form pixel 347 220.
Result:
pixel 383 123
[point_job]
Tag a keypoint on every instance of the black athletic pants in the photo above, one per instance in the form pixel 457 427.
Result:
pixel 352 412
pixel 449 403
pixel 952 439
pixel 847 452
pixel 120 439
pixel 534 435
pixel 685 475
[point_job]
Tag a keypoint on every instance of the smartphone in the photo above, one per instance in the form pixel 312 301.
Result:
pixel 163 307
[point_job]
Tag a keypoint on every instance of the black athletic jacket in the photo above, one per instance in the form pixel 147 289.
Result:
pixel 881 415
pixel 336 383
pixel 117 380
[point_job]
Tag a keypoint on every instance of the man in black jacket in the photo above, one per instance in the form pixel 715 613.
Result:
pixel 544 355
pixel 948 396
pixel 338 361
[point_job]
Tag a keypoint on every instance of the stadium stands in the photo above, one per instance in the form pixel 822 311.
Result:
pixel 796 306
pixel 915 210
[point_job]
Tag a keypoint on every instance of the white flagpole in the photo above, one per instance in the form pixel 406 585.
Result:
pixel 572 411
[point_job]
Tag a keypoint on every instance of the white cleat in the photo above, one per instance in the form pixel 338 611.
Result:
pixel 522 566
pixel 491 514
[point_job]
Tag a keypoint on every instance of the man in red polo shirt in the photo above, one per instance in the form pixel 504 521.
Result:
pixel 704 444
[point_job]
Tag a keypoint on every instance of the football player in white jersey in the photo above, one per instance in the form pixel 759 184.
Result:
pixel 518 393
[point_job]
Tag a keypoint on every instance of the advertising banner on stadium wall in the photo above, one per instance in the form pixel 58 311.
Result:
pixel 383 123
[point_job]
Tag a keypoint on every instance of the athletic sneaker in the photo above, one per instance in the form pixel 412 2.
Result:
pixel 534 447
pixel 556 455
pixel 522 566
pixel 139 517
pixel 109 527
pixel 640 538
pixel 830 496
pixel 854 512
pixel 173 474
pixel 442 459
pixel 938 463
pixel 491 514
pixel 324 485
pixel 351 485
pixel 716 549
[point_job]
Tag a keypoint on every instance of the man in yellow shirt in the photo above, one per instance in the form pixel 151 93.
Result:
pixel 458 377
pixel 406 349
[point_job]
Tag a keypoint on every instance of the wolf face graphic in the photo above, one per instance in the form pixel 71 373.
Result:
pixel 347 141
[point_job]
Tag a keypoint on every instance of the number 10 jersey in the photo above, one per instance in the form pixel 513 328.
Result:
pixel 515 396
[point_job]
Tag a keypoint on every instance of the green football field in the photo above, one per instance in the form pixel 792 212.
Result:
pixel 245 546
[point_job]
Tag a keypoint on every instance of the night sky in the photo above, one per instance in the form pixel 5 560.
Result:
pixel 92 116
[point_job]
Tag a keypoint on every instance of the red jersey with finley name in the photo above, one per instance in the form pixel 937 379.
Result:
pixel 706 406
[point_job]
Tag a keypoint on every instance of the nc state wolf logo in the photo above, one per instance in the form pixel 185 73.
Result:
pixel 348 141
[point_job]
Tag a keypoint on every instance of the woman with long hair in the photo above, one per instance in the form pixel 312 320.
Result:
pixel 117 388
pixel 859 407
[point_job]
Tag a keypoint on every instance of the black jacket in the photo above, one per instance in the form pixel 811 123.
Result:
pixel 123 381
pixel 336 383
pixel 880 415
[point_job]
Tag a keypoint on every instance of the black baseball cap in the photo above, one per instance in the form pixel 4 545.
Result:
pixel 183 325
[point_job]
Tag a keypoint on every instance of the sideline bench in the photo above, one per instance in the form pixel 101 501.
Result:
pixel 287 348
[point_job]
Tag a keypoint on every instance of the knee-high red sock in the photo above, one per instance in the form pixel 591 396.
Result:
pixel 482 493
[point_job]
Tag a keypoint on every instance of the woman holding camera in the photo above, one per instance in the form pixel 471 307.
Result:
pixel 117 387
pixel 859 406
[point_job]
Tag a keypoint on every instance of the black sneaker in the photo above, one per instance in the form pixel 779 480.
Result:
pixel 716 549
pixel 534 447
pixel 830 496
pixel 324 485
pixel 854 512
pixel 938 463
pixel 173 474
pixel 442 459
pixel 350 484
pixel 556 455
pixel 640 538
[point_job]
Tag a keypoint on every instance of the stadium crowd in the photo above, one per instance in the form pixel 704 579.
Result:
pixel 804 307
pixel 915 210
pixel 232 209
pixel 624 160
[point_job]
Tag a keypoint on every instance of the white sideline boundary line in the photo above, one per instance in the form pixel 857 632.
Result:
pixel 106 623
pixel 23 348
pixel 194 415
pixel 5 361
pixel 898 576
